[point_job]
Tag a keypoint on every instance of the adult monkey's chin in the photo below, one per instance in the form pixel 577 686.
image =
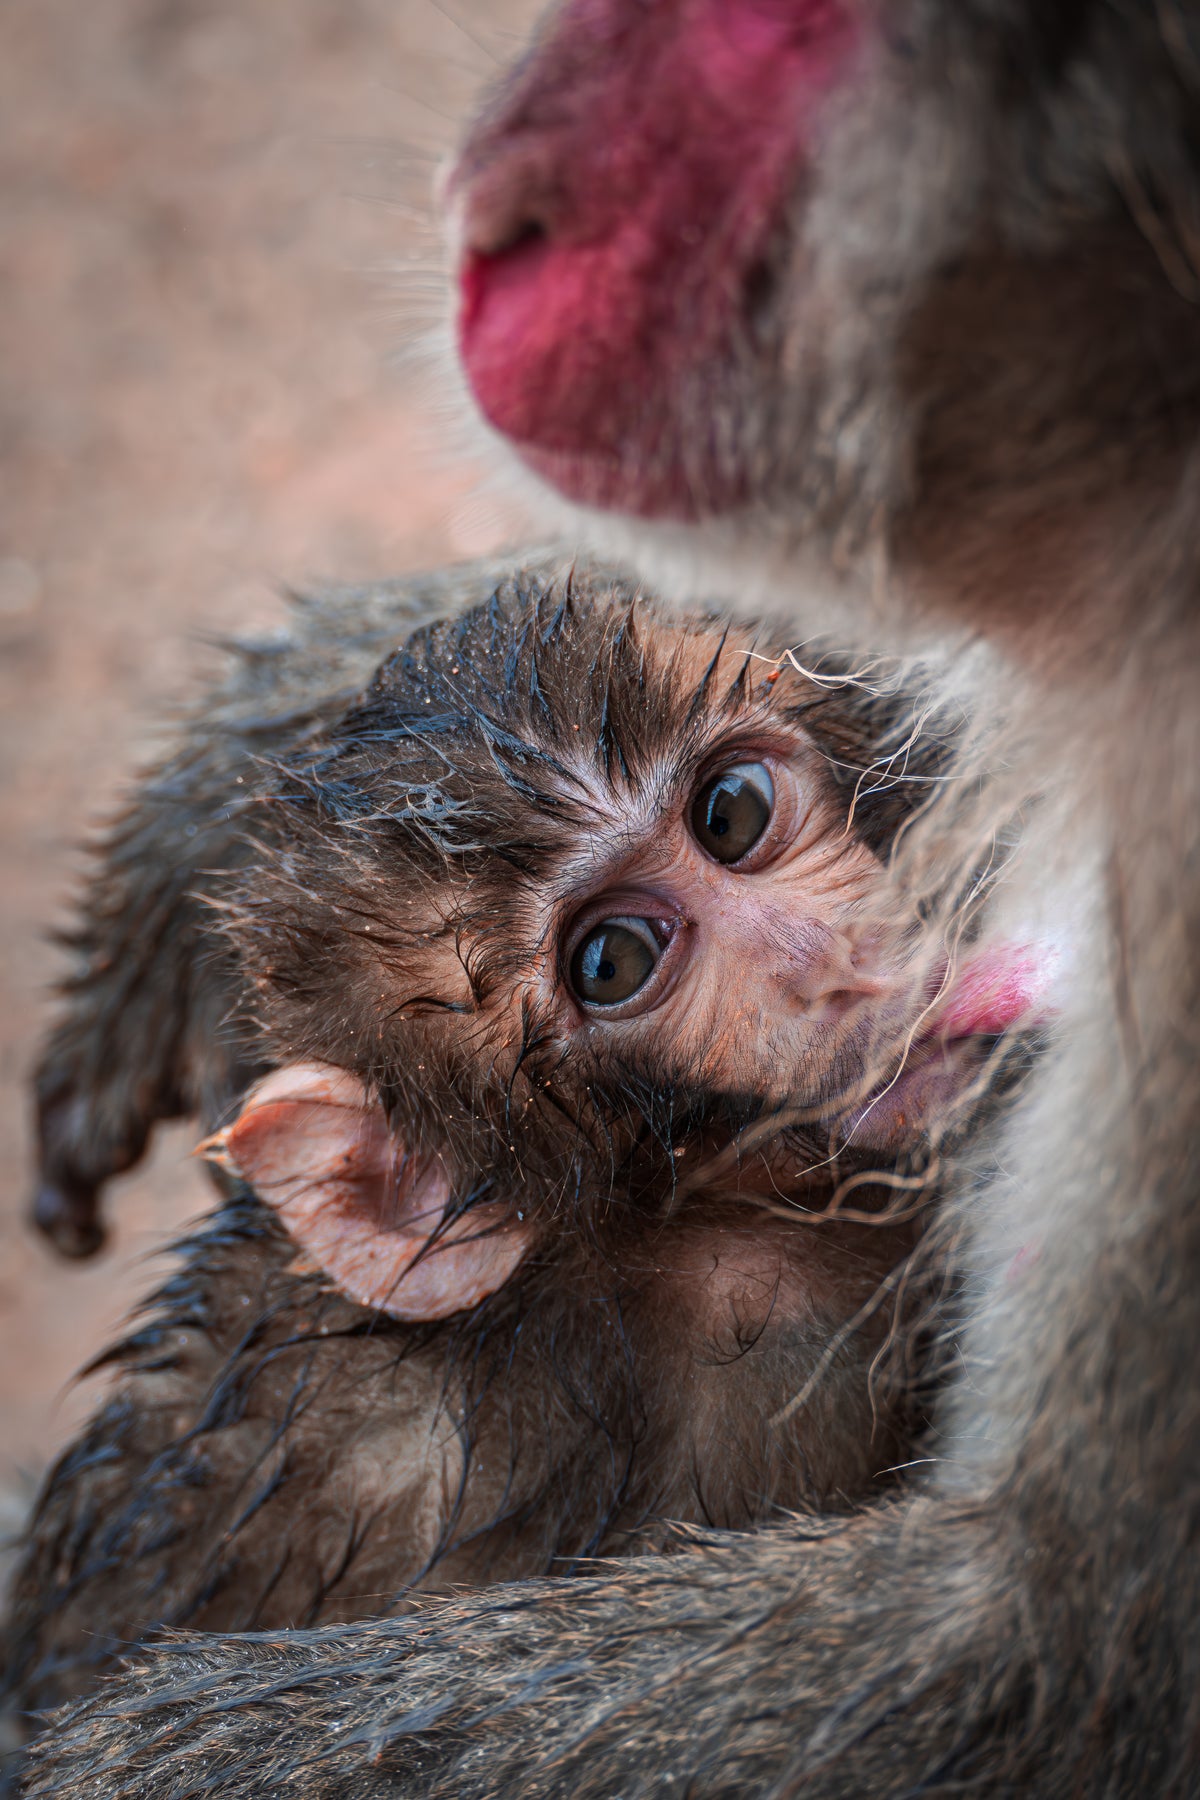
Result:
pixel 616 258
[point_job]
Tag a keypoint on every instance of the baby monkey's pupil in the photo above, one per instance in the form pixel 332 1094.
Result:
pixel 730 814
pixel 613 961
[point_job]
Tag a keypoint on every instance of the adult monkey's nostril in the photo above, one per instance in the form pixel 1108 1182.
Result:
pixel 525 231
pixel 488 232
pixel 496 203
pixel 502 223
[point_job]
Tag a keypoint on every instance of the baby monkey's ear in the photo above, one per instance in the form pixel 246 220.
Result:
pixel 315 1145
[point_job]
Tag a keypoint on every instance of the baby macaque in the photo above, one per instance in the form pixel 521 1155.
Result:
pixel 891 311
pixel 587 1036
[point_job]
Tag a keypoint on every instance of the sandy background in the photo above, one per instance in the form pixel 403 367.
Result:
pixel 211 244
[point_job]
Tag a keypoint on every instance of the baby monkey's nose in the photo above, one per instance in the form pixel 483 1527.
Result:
pixel 823 971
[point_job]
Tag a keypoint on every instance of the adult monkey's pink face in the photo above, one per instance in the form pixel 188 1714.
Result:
pixel 799 261
pixel 623 211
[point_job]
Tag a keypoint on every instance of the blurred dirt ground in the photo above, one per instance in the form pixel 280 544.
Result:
pixel 211 240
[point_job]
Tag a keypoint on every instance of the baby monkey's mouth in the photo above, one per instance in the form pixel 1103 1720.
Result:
pixel 963 1054
pixel 919 1088
pixel 889 1107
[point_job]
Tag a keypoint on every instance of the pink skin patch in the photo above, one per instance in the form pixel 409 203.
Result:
pixel 610 232
pixel 996 990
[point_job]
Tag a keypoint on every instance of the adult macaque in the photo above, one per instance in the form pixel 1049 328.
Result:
pixel 596 1027
pixel 906 292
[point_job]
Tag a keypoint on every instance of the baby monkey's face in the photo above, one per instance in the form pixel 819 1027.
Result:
pixel 719 947
pixel 657 942
pixel 722 933
pixel 579 912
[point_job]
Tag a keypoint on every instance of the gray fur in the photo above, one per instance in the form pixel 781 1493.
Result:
pixel 1001 430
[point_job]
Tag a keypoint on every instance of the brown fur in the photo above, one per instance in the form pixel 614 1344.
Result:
pixel 979 401
pixel 673 1345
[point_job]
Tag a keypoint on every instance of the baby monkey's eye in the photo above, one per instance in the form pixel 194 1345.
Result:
pixel 731 812
pixel 614 960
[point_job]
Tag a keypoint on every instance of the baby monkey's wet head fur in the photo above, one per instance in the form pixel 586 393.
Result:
pixel 509 778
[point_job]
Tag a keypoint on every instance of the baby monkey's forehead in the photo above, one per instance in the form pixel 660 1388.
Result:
pixel 507 926
pixel 583 770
